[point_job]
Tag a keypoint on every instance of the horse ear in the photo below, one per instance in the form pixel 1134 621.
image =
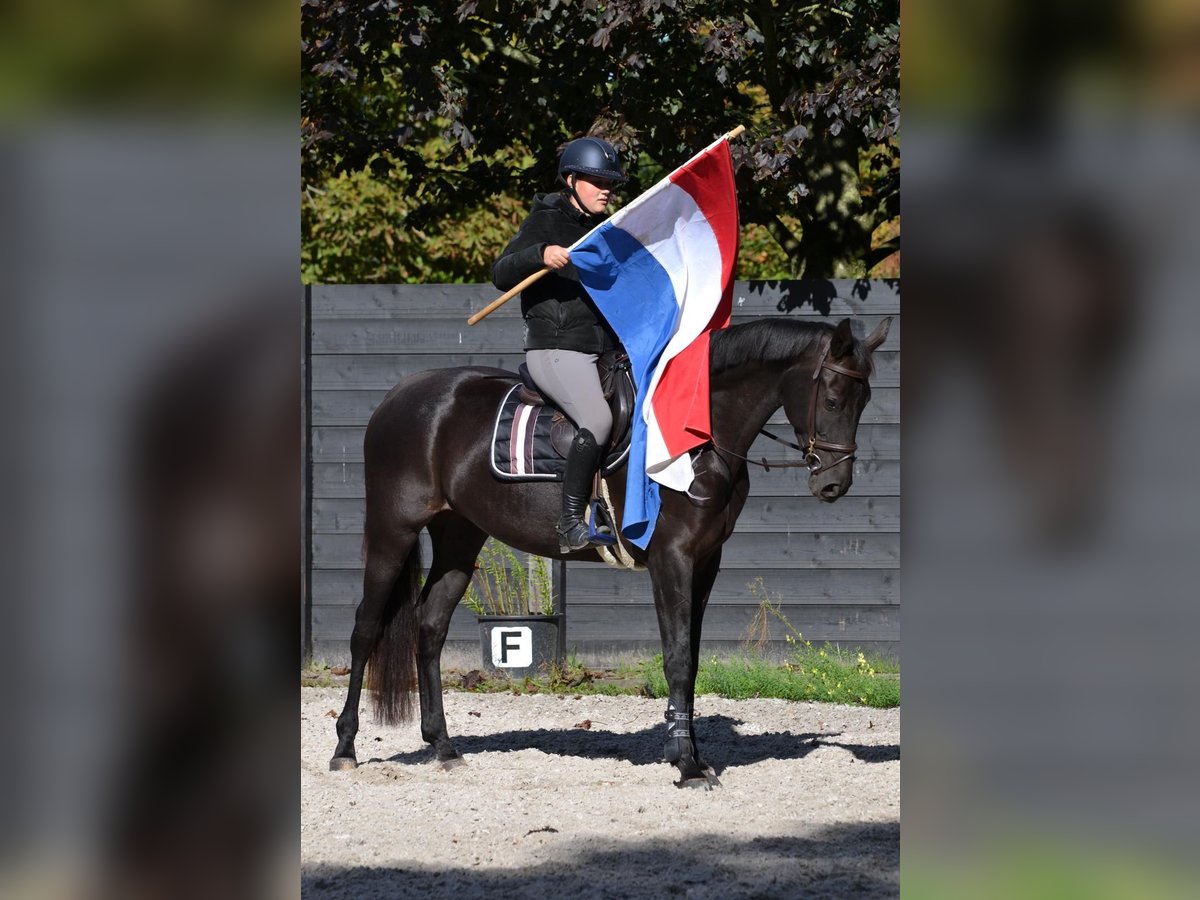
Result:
pixel 843 340
pixel 877 337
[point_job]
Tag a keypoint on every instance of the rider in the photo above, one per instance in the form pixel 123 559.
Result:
pixel 564 332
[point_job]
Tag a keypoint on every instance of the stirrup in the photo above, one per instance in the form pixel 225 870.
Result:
pixel 603 533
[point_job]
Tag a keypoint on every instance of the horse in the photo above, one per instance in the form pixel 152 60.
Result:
pixel 426 453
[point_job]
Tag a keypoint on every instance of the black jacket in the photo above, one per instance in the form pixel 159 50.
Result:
pixel 558 312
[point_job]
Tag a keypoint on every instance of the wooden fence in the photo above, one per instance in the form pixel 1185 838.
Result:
pixel 834 567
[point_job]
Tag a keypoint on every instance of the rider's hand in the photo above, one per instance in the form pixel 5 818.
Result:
pixel 555 257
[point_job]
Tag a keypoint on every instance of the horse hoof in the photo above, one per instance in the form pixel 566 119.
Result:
pixel 449 765
pixel 704 778
pixel 707 780
pixel 342 763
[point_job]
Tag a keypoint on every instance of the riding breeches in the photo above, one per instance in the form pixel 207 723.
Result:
pixel 571 380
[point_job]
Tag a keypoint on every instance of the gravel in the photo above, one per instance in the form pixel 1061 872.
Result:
pixel 568 796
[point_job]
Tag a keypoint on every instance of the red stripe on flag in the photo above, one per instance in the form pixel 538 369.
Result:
pixel 681 401
pixel 709 179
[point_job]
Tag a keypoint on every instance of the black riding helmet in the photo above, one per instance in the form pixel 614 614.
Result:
pixel 591 156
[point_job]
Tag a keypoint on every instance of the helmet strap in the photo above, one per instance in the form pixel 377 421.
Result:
pixel 571 190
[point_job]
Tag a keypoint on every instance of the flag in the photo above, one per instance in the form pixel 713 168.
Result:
pixel 661 272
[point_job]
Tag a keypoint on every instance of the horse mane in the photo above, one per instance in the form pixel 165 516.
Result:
pixel 773 340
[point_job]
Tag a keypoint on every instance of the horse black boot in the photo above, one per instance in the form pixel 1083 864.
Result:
pixel 582 461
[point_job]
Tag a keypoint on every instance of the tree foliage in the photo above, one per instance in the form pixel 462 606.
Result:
pixel 452 106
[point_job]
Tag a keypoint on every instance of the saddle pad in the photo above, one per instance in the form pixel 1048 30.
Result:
pixel 521 447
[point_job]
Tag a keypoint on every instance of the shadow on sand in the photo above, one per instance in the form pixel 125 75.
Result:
pixel 719 740
pixel 850 860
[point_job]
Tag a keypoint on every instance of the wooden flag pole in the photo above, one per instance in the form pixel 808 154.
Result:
pixel 508 295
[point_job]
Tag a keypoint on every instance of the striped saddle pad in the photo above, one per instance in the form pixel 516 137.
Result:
pixel 530 443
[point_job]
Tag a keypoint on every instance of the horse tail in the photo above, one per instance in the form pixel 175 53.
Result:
pixel 392 673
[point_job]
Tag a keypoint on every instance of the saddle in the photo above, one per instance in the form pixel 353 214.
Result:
pixel 532 437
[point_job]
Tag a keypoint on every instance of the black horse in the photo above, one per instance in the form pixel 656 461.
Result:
pixel 426 454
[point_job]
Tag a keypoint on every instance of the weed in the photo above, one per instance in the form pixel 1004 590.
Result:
pixel 826 673
pixel 318 674
pixel 568 674
pixel 758 632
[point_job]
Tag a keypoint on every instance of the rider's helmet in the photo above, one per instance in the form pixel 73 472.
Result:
pixel 591 156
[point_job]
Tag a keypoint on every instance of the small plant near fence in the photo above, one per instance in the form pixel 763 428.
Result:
pixel 502 585
pixel 827 673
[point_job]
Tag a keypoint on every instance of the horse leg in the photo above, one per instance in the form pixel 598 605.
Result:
pixel 703 577
pixel 387 580
pixel 677 582
pixel 456 545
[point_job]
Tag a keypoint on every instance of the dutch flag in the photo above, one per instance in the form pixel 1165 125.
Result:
pixel 661 272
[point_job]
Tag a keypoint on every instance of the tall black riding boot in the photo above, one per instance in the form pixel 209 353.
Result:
pixel 582 462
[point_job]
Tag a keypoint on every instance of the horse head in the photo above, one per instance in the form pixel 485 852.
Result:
pixel 824 401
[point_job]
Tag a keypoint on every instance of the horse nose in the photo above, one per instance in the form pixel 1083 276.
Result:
pixel 831 491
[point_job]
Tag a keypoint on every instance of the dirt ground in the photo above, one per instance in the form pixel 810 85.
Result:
pixel 568 797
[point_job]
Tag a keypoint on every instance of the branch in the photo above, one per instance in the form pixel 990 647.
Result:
pixel 765 12
pixel 786 239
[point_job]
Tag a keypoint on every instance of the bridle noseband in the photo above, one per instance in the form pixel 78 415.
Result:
pixel 811 460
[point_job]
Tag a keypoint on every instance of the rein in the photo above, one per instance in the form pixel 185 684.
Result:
pixel 810 460
pixel 769 464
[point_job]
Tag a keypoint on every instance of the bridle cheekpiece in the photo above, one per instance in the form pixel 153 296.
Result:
pixel 814 443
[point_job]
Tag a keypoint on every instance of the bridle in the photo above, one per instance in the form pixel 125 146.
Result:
pixel 811 460
pixel 815 443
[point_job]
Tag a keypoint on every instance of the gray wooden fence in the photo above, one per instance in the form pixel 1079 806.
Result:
pixel 834 567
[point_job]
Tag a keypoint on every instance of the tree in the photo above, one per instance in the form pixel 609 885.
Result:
pixel 494 87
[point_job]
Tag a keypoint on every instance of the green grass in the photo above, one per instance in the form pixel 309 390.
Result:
pixel 826 674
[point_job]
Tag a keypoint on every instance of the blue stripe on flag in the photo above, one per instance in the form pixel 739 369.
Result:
pixel 644 312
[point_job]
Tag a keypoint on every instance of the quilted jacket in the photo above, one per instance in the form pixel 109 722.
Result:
pixel 558 312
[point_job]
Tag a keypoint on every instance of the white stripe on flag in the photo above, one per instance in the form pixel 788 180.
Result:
pixel 674 473
pixel 656 227
pixel 678 235
pixel 694 251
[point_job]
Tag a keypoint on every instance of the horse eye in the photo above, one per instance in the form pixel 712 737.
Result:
pixel 830 403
